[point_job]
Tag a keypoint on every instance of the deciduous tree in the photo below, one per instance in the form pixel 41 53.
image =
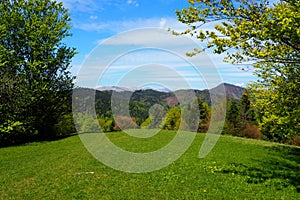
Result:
pixel 32 50
pixel 263 36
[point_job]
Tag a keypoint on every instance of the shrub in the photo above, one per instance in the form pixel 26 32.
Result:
pixel 203 127
pixel 146 123
pixel 13 133
pixel 106 124
pixel 173 119
pixel 86 123
pixel 296 140
pixel 124 122
pixel 251 131
pixel 229 129
pixel 65 125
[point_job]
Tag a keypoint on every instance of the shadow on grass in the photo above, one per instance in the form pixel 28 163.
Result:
pixel 32 140
pixel 54 138
pixel 281 169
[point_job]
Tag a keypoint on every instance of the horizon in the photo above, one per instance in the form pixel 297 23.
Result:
pixel 162 89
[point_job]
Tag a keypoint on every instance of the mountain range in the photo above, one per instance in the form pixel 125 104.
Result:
pixel 139 100
pixel 131 89
pixel 166 95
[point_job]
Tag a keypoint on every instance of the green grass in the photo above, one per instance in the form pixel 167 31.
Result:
pixel 235 169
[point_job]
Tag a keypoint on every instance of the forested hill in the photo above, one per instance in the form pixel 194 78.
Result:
pixel 140 101
pixel 167 97
pixel 137 105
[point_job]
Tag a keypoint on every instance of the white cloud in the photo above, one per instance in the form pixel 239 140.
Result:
pixel 125 25
pixel 93 26
pixel 93 17
pixel 154 37
pixel 141 68
pixel 146 38
pixel 162 23
pixel 132 2
pixel 240 84
pixel 87 6
pixel 116 27
pixel 92 6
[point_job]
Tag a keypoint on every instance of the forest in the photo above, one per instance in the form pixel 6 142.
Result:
pixel 150 109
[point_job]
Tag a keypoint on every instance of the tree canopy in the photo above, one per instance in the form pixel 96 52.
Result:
pixel 261 35
pixel 34 64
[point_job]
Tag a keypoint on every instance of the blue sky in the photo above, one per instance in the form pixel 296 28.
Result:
pixel 96 23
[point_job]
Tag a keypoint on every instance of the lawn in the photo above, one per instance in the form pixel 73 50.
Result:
pixel 236 168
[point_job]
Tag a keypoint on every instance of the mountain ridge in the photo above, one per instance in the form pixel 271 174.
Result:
pixel 140 101
pixel 229 88
pixel 231 91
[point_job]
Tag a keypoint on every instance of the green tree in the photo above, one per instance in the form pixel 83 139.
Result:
pixel 255 33
pixel 12 110
pixel 156 114
pixel 172 119
pixel 277 111
pixel 32 51
pixel 138 110
pixel 233 112
pixel 205 113
pixel 246 110
pixel 232 117
pixel 190 113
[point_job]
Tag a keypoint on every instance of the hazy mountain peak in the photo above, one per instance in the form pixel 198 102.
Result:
pixel 131 89
pixel 232 91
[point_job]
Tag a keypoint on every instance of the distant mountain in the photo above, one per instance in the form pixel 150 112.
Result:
pixel 171 98
pixel 117 88
pixel 232 91
pixel 131 89
pixel 142 99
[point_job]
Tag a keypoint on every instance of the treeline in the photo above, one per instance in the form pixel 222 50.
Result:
pixel 143 112
pixel 153 109
pixel 240 118
pixel 150 109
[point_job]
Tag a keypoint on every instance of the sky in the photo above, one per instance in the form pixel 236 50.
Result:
pixel 125 43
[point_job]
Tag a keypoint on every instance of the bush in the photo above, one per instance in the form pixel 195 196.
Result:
pixel 229 129
pixel 13 133
pixel 86 123
pixel 251 131
pixel 296 140
pixel 146 123
pixel 173 119
pixel 124 122
pixel 203 127
pixel 106 124
pixel 65 125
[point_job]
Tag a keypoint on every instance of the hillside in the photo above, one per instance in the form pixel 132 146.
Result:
pixel 235 169
pixel 141 100
pixel 160 96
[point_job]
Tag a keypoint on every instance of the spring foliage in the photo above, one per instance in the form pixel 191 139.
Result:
pixel 263 36
pixel 34 63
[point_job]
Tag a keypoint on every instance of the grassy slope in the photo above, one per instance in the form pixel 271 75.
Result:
pixel 235 169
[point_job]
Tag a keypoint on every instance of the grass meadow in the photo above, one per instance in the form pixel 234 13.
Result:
pixel 236 168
